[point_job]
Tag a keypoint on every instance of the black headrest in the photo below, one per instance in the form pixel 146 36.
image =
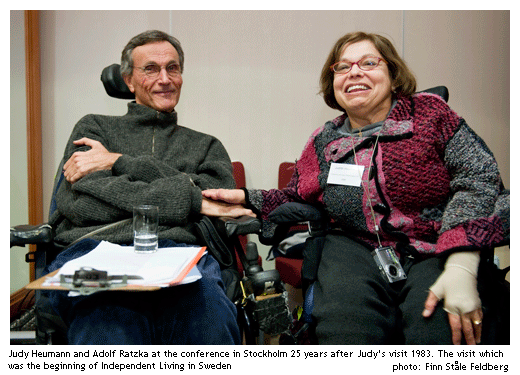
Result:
pixel 442 91
pixel 114 84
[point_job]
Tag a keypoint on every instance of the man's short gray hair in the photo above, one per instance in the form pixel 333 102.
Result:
pixel 150 36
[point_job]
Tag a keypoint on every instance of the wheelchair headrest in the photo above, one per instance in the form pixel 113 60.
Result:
pixel 114 84
pixel 442 91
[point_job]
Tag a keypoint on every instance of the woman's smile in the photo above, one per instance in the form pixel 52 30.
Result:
pixel 355 88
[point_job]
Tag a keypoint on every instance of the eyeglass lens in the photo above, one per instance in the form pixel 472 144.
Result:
pixel 367 63
pixel 154 70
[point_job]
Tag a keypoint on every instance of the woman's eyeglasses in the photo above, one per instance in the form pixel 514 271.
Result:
pixel 366 63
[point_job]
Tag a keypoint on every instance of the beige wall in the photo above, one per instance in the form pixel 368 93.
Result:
pixel 251 77
pixel 19 270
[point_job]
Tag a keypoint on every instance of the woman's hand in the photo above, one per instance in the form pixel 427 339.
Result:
pixel 223 209
pixel 457 285
pixel 235 196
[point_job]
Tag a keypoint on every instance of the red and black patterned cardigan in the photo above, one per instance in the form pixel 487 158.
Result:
pixel 435 185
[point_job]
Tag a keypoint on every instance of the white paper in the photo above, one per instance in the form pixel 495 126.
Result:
pixel 158 268
pixel 345 174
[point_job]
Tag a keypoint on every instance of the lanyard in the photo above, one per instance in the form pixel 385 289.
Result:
pixel 365 184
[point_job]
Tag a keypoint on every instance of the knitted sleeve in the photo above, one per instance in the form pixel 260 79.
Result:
pixel 303 187
pixel 477 215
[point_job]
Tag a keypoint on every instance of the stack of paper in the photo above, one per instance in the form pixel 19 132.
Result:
pixel 165 267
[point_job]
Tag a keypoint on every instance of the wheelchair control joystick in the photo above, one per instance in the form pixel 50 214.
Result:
pixel 265 293
pixel 260 282
pixel 252 259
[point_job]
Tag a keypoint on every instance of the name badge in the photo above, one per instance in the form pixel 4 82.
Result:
pixel 345 174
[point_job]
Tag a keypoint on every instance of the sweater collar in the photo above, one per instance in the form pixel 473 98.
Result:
pixel 147 115
pixel 399 121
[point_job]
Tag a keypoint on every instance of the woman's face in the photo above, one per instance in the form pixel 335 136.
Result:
pixel 366 96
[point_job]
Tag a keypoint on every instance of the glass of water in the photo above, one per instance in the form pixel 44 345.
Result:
pixel 146 223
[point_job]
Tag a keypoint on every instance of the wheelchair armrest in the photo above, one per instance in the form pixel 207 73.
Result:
pixel 238 226
pixel 293 213
pixel 31 234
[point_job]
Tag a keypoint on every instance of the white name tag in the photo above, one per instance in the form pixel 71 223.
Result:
pixel 345 174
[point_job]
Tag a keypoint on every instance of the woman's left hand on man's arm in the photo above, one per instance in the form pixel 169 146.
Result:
pixel 457 285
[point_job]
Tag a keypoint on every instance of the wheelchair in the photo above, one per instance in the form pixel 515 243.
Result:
pixel 225 239
pixel 301 268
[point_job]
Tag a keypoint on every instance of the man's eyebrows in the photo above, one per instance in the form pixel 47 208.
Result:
pixel 151 62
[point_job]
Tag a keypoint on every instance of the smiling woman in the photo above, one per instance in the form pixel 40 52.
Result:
pixel 412 220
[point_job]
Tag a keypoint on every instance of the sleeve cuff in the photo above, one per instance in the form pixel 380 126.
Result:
pixel 451 239
pixel 121 166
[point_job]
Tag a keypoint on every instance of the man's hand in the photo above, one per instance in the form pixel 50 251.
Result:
pixel 82 163
pixel 233 196
pixel 222 209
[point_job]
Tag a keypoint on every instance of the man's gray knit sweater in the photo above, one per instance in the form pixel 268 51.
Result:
pixel 162 163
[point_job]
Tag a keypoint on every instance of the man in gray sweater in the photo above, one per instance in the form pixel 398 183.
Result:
pixel 144 157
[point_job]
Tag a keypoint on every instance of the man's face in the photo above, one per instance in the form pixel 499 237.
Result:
pixel 162 92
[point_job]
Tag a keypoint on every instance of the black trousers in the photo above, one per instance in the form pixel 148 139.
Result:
pixel 354 304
